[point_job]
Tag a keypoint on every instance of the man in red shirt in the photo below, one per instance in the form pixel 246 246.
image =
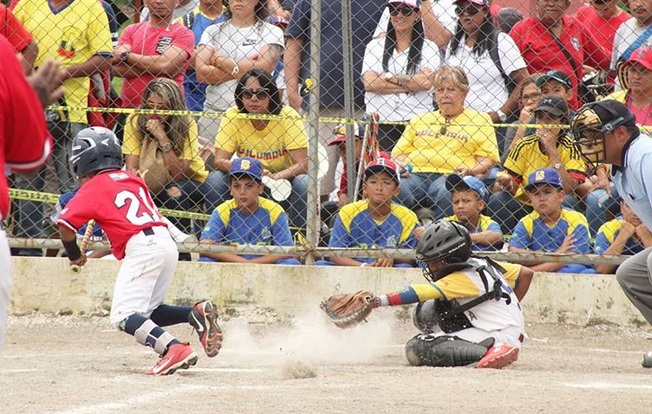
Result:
pixel 19 38
pixel 539 38
pixel 25 142
pixel 601 19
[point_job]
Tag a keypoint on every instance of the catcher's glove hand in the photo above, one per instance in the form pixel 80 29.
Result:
pixel 346 310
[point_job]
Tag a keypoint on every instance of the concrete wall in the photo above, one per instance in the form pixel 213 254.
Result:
pixel 47 285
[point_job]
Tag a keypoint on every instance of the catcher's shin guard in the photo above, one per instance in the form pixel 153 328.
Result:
pixel 444 351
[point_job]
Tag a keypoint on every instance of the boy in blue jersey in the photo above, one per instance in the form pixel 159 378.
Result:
pixel 469 196
pixel 375 222
pixel 626 234
pixel 248 218
pixel 551 228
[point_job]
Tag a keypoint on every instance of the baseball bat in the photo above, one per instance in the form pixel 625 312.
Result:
pixel 177 235
pixel 84 243
pixel 280 189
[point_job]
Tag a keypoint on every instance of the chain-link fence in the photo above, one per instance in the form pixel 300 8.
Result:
pixel 359 123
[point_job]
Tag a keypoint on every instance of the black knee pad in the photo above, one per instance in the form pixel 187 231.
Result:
pixel 444 351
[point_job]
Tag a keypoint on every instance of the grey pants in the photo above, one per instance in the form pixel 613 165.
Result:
pixel 636 280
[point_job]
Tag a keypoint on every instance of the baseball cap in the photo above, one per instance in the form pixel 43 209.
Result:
pixel 480 3
pixel 553 105
pixel 381 164
pixel 472 183
pixel 556 75
pixel 247 166
pixel 340 133
pixel 544 176
pixel 642 56
pixel 415 4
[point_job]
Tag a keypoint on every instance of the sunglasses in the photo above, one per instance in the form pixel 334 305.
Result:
pixel 469 11
pixel 262 93
pixel 403 10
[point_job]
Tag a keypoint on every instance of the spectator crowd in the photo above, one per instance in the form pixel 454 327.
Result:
pixel 473 103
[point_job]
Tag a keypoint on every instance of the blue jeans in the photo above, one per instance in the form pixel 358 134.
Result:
pixel 290 261
pixel 598 203
pixel 216 191
pixel 323 262
pixel 427 191
pixel 189 199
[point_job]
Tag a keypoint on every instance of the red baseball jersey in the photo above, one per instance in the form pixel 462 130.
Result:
pixel 25 142
pixel 11 28
pixel 541 53
pixel 119 202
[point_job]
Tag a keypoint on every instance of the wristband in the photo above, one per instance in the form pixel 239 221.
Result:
pixel 165 148
pixel 72 250
pixel 124 56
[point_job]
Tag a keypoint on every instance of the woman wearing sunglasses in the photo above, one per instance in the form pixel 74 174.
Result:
pixel 226 50
pixel 396 71
pixel 490 89
pixel 280 143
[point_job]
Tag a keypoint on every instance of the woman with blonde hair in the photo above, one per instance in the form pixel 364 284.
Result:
pixel 164 149
pixel 452 139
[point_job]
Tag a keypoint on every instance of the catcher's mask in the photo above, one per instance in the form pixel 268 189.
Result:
pixel 446 241
pixel 593 121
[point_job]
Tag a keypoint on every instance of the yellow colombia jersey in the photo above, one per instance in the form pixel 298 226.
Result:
pixel 432 146
pixel 133 139
pixel 526 156
pixel 71 35
pixel 466 285
pixel 271 145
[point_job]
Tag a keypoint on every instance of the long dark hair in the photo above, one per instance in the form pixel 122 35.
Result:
pixel 484 40
pixel 266 81
pixel 416 45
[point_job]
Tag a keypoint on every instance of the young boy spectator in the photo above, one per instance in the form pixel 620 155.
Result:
pixel 375 222
pixel 547 147
pixel 248 218
pixel 626 234
pixel 551 228
pixel 469 197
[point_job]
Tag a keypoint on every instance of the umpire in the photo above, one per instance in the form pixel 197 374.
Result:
pixel 606 132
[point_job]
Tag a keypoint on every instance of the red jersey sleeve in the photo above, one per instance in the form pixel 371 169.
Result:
pixel 11 28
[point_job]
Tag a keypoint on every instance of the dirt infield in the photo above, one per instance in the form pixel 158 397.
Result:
pixel 79 365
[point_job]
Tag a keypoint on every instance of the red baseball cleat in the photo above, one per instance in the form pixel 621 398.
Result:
pixel 203 318
pixel 178 356
pixel 498 356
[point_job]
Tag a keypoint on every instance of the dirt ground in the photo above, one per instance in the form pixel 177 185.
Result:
pixel 79 365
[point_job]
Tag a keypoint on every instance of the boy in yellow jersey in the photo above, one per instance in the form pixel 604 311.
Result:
pixel 375 222
pixel 550 227
pixel 469 197
pixel 469 312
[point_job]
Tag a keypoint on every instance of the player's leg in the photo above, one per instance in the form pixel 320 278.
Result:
pixel 635 280
pixel 5 282
pixel 444 350
pixel 147 257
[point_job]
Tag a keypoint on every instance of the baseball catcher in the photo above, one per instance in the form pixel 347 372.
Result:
pixel 468 313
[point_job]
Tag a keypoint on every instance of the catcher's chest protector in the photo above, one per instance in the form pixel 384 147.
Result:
pixel 452 316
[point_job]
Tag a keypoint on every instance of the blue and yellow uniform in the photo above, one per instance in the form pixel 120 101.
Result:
pixel 608 233
pixel 267 226
pixel 194 91
pixel 485 223
pixel 533 234
pixel 354 227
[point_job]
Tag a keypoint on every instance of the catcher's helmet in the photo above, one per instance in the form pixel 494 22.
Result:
pixel 95 149
pixel 445 240
pixel 593 121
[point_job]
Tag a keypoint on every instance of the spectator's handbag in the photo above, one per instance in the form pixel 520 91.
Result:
pixel 152 167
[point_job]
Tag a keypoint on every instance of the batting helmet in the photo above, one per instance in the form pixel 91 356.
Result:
pixel 593 121
pixel 95 149
pixel 445 240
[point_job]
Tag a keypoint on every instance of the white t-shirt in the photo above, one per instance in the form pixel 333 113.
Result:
pixel 487 91
pixel 236 43
pixel 398 106
pixel 443 9
pixel 626 34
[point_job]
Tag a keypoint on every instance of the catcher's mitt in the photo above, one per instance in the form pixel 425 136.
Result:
pixel 346 310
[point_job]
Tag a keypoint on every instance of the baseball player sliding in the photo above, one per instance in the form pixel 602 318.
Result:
pixel 120 203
